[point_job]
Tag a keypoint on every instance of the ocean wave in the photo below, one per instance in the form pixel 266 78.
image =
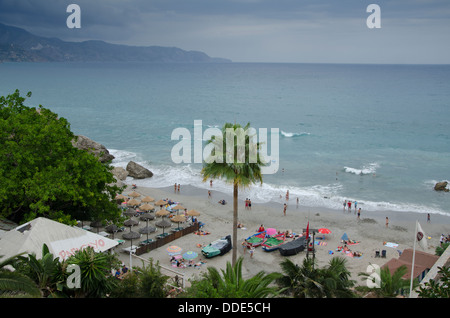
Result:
pixel 368 169
pixel 327 196
pixel 291 134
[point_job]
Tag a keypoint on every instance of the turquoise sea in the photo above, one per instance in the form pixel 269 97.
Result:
pixel 378 134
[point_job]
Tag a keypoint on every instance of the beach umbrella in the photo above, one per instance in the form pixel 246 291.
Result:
pixel 131 236
pixel 148 199
pixel 147 230
pixel 134 194
pixel 130 212
pixel 96 224
pixel 324 231
pixel 344 237
pixel 130 223
pixel 146 207
pixel 173 250
pixel 193 213
pixel 121 197
pixel 112 228
pixel 161 203
pixel 162 213
pixel 178 207
pixel 190 255
pixel 271 231
pixel 164 223
pixel 146 217
pixel 133 202
pixel 178 219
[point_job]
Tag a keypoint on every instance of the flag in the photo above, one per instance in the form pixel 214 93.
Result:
pixel 421 237
pixel 307 231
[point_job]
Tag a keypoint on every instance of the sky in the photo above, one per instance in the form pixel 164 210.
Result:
pixel 278 31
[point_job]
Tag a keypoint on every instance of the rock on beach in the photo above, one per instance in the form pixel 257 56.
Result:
pixel 137 171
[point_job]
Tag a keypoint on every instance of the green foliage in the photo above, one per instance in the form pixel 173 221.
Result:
pixel 95 268
pixel 229 283
pixel 308 281
pixel 46 272
pixel 14 283
pixel 437 288
pixel 391 285
pixel 440 249
pixel 144 282
pixel 43 174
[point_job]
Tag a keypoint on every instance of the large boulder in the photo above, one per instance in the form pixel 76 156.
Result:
pixel 441 186
pixel 120 173
pixel 84 143
pixel 137 171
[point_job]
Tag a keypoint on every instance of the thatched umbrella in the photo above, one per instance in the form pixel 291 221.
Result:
pixel 164 223
pixel 133 202
pixel 162 213
pixel 134 194
pixel 130 212
pixel 193 213
pixel 147 230
pixel 96 224
pixel 130 223
pixel 146 207
pixel 148 199
pixel 131 236
pixel 178 219
pixel 146 217
pixel 160 203
pixel 112 228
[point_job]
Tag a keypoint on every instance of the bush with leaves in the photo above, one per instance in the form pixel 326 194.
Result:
pixel 43 174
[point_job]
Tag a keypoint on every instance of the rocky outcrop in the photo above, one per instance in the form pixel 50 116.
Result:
pixel 84 143
pixel 441 186
pixel 119 173
pixel 137 171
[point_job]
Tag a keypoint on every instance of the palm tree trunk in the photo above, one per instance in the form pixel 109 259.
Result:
pixel 235 221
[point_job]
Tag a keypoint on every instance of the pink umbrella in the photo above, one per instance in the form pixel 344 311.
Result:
pixel 271 231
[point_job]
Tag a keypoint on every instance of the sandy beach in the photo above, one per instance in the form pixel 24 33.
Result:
pixel 370 230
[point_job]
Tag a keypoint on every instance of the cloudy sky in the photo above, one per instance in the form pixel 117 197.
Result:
pixel 303 31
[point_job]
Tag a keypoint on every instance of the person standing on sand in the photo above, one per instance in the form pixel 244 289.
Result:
pixel 287 195
pixel 349 205
pixel 428 218
pixel 178 187
pixel 387 222
pixel 359 213
pixel 284 210
pixel 175 187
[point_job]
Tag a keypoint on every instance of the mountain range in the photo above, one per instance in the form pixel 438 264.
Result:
pixel 19 45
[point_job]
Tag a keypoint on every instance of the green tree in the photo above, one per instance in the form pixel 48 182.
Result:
pixel 14 283
pixel 240 165
pixel 390 285
pixel 229 283
pixel 439 287
pixel 308 281
pixel 43 174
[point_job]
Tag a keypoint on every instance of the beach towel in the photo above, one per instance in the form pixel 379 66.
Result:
pixel 320 243
pixel 390 244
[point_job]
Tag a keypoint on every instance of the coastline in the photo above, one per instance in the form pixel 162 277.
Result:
pixel 370 230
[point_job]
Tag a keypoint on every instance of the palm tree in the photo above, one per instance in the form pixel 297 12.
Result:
pixel 95 273
pixel 240 165
pixel 229 283
pixel 15 284
pixel 308 281
pixel 390 285
pixel 46 272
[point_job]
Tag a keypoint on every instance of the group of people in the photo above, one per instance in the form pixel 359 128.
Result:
pixel 444 239
pixel 248 204
pixel 348 205
pixel 120 274
pixel 182 263
pixel 176 187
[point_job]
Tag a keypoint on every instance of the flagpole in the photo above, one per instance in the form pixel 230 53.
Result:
pixel 413 260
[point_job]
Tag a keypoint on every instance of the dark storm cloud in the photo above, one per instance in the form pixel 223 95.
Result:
pixel 246 30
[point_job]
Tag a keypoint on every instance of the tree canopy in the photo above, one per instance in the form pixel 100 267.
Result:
pixel 43 174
